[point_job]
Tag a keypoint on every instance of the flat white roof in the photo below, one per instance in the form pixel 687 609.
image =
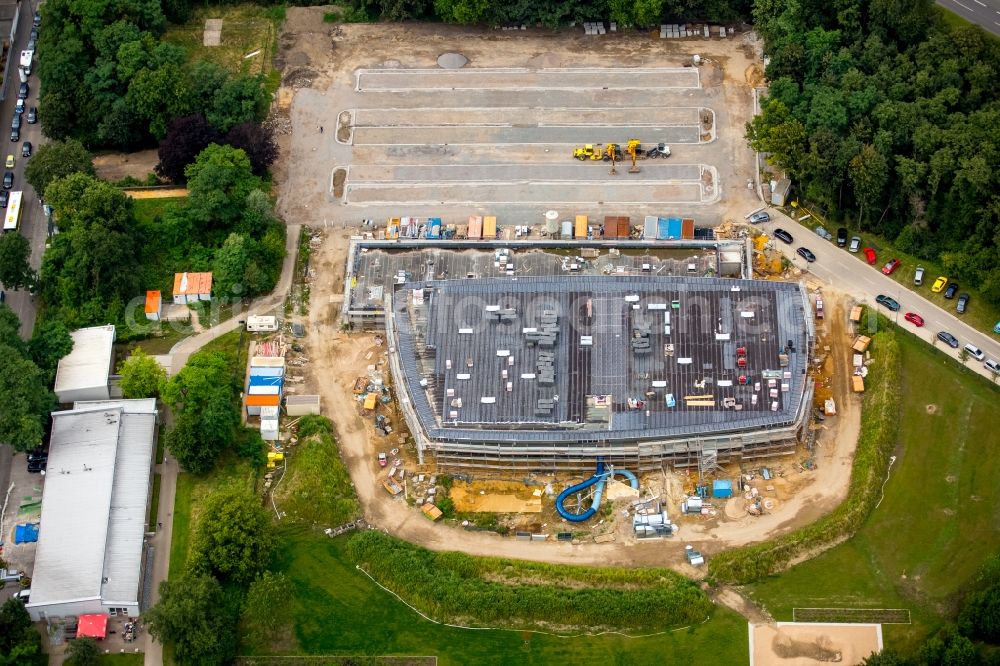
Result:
pixel 89 364
pixel 93 517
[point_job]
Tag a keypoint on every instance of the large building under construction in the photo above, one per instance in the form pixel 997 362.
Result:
pixel 554 372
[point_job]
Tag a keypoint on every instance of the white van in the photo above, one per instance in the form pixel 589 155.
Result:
pixel 991 365
pixel 975 352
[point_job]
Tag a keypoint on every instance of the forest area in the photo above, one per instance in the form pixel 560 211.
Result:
pixel 888 120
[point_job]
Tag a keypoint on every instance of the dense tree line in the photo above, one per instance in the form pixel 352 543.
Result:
pixel 552 13
pixel 108 80
pixel 27 371
pixel 890 122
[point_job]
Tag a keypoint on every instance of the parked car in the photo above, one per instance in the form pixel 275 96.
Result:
pixel 841 237
pixel 939 284
pixel 806 254
pixel 19 107
pixel 15 122
pixel 22 92
pixel 992 365
pixel 963 303
pixel 10 161
pixel 36 20
pixel 33 115
pixel 870 256
pixel 760 216
pixel 4 198
pixel 918 277
pixel 9 576
pixel 975 352
pixel 36 466
pixel 781 234
pixel 15 135
pixel 823 233
pixel 914 318
pixel 951 290
pixel 855 245
pixel 948 339
pixel 26 149
pixel 888 302
pixel 8 180
pixel 23 595
pixel 382 460
pixel 890 267
pixel 38 454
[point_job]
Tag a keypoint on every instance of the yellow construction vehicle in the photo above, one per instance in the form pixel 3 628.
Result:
pixel 634 150
pixel 613 153
pixel 589 151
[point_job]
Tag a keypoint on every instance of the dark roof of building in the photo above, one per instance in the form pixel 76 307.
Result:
pixel 597 358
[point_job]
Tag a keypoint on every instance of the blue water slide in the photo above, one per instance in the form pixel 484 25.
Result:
pixel 600 478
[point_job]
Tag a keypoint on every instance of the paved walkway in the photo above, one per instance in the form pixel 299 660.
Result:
pixel 168 470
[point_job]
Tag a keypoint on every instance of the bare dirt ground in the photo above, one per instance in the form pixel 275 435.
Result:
pixel 317 57
pixel 115 166
pixel 805 644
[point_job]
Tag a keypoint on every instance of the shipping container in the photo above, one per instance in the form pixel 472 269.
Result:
pixel 262 323
pixel 267 372
pixel 624 227
pixel 269 430
pixel 580 231
pixel 267 361
pixel 434 228
pixel 392 228
pixel 475 227
pixel 274 389
pixel 610 226
pixel 567 229
pixel 662 228
pixel 687 229
pixel 258 380
pixel 300 405
pixel 490 226
pixel 254 403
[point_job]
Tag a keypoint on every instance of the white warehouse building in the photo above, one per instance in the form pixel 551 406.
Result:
pixel 91 543
pixel 83 373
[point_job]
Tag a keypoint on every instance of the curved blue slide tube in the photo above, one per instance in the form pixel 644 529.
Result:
pixel 599 478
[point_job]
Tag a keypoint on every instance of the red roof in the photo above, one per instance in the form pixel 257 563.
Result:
pixel 192 283
pixel 152 302
pixel 95 626
pixel 262 400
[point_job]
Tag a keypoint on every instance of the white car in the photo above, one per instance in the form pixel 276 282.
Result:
pixel 855 244
pixel 762 216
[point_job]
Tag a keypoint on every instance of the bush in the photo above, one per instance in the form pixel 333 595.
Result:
pixel 879 422
pixel 487 590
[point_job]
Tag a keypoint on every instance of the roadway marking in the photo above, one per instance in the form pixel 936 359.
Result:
pixel 978 2
pixel 965 7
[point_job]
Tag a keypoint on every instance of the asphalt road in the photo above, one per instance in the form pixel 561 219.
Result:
pixel 846 273
pixel 33 223
pixel 984 13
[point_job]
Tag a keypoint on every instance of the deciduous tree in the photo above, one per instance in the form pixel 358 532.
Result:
pixel 194 615
pixel 19 642
pixel 234 540
pixel 141 375
pixel 218 182
pixel 15 252
pixel 257 141
pixel 185 138
pixel 55 160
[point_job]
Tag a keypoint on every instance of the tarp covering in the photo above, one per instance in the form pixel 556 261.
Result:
pixel 95 626
pixel 26 534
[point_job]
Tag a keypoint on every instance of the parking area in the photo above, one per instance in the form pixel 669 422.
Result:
pixel 23 507
pixel 385 132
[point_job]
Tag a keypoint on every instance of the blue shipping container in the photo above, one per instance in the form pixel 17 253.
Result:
pixel 256 380
pixel 674 225
pixel 662 229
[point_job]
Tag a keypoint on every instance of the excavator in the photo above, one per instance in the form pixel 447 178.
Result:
pixel 634 150
pixel 613 153
pixel 589 151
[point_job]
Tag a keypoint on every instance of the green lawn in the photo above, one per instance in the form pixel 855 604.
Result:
pixel 191 490
pixel 939 519
pixel 154 502
pixel 147 210
pixel 245 29
pixel 980 314
pixel 127 659
pixel 340 611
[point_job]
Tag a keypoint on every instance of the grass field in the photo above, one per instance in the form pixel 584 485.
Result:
pixel 340 611
pixel 939 519
pixel 245 29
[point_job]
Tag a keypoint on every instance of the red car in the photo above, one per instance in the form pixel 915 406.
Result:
pixel 870 255
pixel 382 460
pixel 914 318
pixel 891 266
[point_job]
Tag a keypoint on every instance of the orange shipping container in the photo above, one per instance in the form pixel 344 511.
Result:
pixel 687 229
pixel 489 226
pixel 610 226
pixel 581 227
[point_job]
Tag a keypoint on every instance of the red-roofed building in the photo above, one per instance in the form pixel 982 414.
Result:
pixel 154 305
pixel 192 287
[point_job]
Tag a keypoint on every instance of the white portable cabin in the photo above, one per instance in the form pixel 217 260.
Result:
pixel 262 324
pixel 269 429
pixel 301 405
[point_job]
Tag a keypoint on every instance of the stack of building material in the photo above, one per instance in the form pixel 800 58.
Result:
pixel 264 390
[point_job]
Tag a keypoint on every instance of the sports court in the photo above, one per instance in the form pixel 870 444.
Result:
pixel 812 644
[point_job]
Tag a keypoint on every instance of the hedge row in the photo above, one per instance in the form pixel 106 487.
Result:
pixel 493 591
pixel 877 438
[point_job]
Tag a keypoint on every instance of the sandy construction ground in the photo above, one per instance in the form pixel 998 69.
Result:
pixel 808 644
